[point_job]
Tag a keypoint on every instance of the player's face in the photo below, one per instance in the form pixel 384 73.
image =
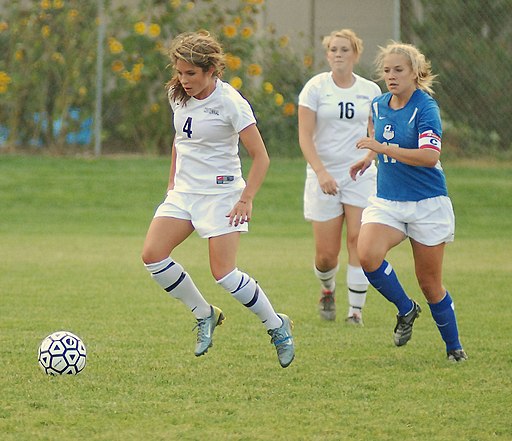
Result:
pixel 398 74
pixel 340 54
pixel 196 83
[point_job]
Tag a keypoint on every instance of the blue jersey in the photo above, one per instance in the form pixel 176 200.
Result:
pixel 417 125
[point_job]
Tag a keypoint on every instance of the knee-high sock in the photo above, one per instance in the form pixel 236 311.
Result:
pixel 245 289
pixel 385 281
pixel 444 316
pixel 327 278
pixel 357 284
pixel 173 279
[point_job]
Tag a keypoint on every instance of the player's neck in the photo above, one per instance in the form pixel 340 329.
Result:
pixel 400 100
pixel 343 79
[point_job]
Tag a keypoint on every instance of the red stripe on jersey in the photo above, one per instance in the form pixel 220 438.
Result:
pixel 429 140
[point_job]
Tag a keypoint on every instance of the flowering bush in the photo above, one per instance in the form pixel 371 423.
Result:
pixel 47 75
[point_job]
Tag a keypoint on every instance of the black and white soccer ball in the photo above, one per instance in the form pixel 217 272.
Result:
pixel 62 353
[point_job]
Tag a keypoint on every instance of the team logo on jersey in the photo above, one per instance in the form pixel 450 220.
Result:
pixel 211 111
pixel 389 132
pixel 225 179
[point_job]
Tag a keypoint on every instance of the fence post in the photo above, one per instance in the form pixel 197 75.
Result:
pixel 99 79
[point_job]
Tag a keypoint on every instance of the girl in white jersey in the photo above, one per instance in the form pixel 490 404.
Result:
pixel 334 111
pixel 207 193
pixel 412 199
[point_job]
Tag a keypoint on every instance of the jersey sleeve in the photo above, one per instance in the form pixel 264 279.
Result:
pixel 241 114
pixel 308 97
pixel 429 127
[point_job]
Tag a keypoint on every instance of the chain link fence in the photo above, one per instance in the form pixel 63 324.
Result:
pixel 48 71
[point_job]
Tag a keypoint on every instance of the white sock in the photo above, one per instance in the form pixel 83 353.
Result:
pixel 327 278
pixel 245 289
pixel 173 279
pixel 357 284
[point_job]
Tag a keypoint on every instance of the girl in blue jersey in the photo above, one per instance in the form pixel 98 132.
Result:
pixel 412 199
pixel 207 193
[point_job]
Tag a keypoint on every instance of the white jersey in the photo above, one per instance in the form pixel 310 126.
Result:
pixel 206 142
pixel 341 119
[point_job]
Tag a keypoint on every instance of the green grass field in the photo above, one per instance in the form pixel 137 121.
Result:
pixel 71 231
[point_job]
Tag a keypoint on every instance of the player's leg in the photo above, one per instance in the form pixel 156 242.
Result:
pixel 428 262
pixel 327 235
pixel 165 234
pixel 248 292
pixel 375 240
pixel 326 214
pixel 244 288
pixel 357 283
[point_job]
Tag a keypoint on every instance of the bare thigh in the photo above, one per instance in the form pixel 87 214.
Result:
pixel 164 234
pixel 223 250
pixel 327 242
pixel 375 240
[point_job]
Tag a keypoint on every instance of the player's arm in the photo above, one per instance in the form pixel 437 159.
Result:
pixel 307 126
pixel 427 155
pixel 172 171
pixel 253 143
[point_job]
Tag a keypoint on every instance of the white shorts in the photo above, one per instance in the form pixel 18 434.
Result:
pixel 429 222
pixel 322 207
pixel 206 212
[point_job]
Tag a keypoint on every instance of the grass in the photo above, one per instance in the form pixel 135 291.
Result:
pixel 71 230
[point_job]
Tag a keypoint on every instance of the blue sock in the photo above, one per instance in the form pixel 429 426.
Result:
pixel 385 281
pixel 444 316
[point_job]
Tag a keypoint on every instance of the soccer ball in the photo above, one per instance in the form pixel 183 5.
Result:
pixel 62 353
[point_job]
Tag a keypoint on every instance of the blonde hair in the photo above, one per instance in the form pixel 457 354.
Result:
pixel 416 60
pixel 350 35
pixel 200 49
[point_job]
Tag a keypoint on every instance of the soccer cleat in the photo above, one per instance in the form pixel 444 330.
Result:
pixel 457 355
pixel 327 304
pixel 283 341
pixel 205 328
pixel 403 329
pixel 355 319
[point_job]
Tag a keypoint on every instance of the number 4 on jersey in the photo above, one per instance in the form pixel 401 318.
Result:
pixel 187 127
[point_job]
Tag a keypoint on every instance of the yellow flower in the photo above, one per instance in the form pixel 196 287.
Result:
pixel 268 87
pixel 72 14
pixel 57 56
pixel 140 28
pixel 254 70
pixel 154 30
pixel 5 80
pixel 289 109
pixel 278 99
pixel 237 21
pixel 45 4
pixel 233 62
pixel 19 55
pixel 283 41
pixel 236 82
pixel 117 66
pixel 45 31
pixel 246 32
pixel 82 91
pixel 229 31
pixel 190 6
pixel 155 107
pixel 58 4
pixel 255 2
pixel 115 46
pixel 137 68
pixel 175 3
pixel 308 61
pixel 3 26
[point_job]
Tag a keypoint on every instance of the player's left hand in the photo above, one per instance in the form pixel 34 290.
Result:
pixel 240 213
